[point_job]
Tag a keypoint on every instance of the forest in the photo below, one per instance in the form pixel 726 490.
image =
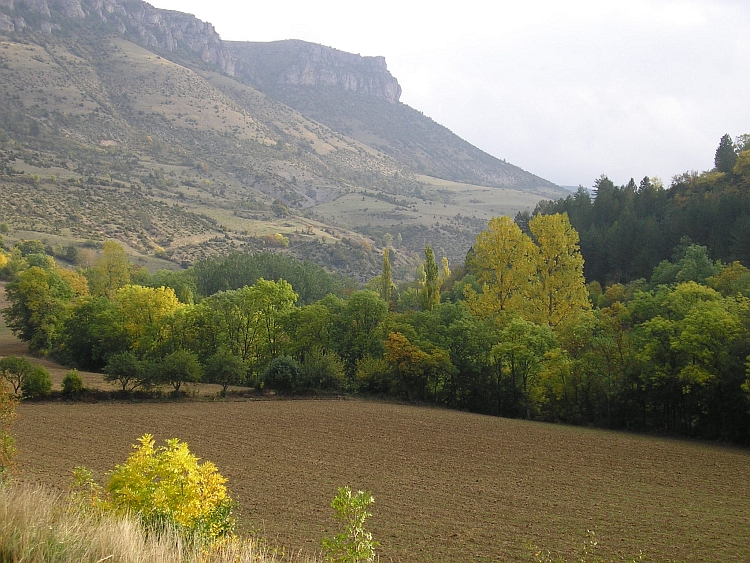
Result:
pixel 657 340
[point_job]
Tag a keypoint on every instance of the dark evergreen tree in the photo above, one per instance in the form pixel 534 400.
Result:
pixel 726 155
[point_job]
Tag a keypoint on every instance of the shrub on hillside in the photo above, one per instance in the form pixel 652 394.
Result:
pixel 323 369
pixel 36 384
pixel 72 383
pixel 283 375
pixel 165 488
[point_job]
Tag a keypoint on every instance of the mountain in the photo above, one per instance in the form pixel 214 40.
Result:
pixel 358 97
pixel 122 121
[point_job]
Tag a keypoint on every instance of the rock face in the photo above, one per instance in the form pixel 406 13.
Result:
pixel 153 28
pixel 294 62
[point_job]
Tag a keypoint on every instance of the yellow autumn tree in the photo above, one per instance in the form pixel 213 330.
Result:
pixel 141 308
pixel 540 278
pixel 505 262
pixel 110 271
pixel 558 293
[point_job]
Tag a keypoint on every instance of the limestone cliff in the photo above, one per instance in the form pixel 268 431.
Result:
pixel 299 63
pixel 153 28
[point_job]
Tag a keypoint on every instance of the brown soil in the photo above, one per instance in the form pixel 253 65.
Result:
pixel 449 486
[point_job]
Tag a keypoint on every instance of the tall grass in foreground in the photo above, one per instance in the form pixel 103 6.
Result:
pixel 39 526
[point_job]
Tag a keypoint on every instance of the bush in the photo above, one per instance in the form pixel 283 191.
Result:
pixel 166 488
pixel 324 370
pixel 72 383
pixel 354 544
pixel 283 374
pixel 37 383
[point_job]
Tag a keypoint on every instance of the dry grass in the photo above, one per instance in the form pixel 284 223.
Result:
pixel 449 486
pixel 39 526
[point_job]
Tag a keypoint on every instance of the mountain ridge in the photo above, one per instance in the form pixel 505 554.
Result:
pixel 109 134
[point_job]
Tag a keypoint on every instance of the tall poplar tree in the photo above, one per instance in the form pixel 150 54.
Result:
pixel 559 290
pixel 430 295
pixel 386 281
pixel 504 261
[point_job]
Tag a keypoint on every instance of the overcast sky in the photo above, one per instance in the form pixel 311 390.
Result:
pixel 566 90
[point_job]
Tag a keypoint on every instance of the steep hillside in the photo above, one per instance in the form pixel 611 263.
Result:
pixel 358 97
pixel 122 121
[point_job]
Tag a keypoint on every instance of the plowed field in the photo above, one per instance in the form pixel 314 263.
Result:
pixel 449 486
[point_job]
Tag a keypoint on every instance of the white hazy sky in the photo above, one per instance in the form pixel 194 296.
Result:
pixel 568 90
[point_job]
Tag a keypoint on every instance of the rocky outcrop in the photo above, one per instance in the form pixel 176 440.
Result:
pixel 293 62
pixel 164 30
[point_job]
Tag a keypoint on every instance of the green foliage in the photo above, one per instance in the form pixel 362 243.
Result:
pixel 39 304
pixel 283 374
pixel 237 270
pixel 14 370
pixel 225 369
pixel 386 285
pixel 125 369
pixel 430 292
pixel 323 369
pixel 8 403
pixel 354 544
pixel 726 155
pixel 177 368
pixel 167 486
pixel 110 272
pixel 72 383
pixel 36 384
pixel 691 263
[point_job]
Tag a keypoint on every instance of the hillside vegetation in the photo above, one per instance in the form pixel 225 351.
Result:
pixel 103 138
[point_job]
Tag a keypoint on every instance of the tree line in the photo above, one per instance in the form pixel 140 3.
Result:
pixel 626 231
pixel 515 331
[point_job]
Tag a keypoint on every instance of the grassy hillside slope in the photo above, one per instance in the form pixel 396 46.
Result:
pixel 101 138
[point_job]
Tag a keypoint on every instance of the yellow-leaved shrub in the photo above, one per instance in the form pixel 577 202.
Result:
pixel 167 486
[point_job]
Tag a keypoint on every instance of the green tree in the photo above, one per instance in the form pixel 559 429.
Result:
pixel 177 368
pixel 110 272
pixel 726 155
pixel 141 309
pixel 523 345
pixel 72 383
pixel 430 291
pixel 283 374
pixel 386 280
pixel 40 301
pixel 125 369
pixel 225 369
pixel 14 370
pixel 36 384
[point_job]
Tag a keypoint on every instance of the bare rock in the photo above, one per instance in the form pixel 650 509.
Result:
pixel 6 24
pixel 71 9
pixel 308 64
pixel 39 6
